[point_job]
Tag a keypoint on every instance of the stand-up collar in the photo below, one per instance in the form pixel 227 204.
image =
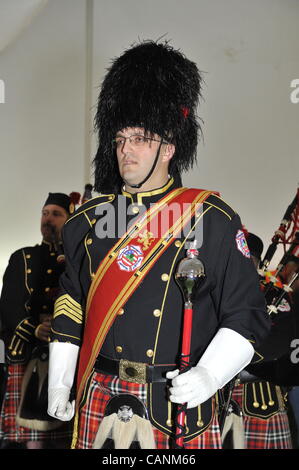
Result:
pixel 151 196
pixel 50 245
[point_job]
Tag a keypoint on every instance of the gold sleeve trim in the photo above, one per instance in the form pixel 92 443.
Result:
pixel 66 298
pixel 67 306
pixel 69 314
pixel 64 334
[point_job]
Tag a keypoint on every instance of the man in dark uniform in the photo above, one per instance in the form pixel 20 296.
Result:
pixel 119 303
pixel 260 404
pixel 30 287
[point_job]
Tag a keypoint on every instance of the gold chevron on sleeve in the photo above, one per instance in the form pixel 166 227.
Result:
pixel 67 306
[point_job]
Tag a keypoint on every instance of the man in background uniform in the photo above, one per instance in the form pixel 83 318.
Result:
pixel 119 303
pixel 30 285
pixel 260 404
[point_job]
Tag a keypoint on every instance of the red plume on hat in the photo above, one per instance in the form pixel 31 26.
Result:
pixel 75 197
pixel 245 231
pixel 74 200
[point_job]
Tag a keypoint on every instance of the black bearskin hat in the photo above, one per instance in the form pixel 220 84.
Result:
pixel 68 203
pixel 155 87
pixel 255 245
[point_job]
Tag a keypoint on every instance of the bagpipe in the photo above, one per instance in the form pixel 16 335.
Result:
pixel 287 235
pixel 278 285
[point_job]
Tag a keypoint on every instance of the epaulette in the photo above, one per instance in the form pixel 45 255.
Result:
pixel 91 204
pixel 76 227
pixel 218 203
pixel 27 251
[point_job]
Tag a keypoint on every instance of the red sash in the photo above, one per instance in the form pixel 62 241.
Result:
pixel 124 267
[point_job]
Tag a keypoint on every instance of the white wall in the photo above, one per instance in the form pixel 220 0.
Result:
pixel 249 52
pixel 42 120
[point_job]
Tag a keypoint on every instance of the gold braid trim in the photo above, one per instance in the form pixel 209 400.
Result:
pixel 67 306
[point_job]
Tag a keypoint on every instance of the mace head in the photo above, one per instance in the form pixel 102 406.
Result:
pixel 190 274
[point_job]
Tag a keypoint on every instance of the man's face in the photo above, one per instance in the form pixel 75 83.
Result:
pixel 52 221
pixel 136 157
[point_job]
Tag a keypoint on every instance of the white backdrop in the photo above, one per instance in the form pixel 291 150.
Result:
pixel 248 51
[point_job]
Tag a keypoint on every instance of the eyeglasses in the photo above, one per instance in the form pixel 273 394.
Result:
pixel 136 140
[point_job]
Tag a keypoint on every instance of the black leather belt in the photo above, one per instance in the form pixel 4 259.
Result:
pixel 137 372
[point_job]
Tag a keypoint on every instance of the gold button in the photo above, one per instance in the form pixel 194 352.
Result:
pixel 149 353
pixel 89 241
pixel 92 275
pixel 119 349
pixel 93 221
pixel 45 307
pixel 49 271
pixel 28 256
pixel 31 289
pixel 52 254
pixel 164 277
pixel 47 289
pixel 28 271
pixel 135 210
pixel 121 311
pixel 178 243
pixel 28 308
pixel 157 312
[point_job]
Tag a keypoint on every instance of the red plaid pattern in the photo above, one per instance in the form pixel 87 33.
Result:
pixel 102 388
pixel 271 433
pixel 9 430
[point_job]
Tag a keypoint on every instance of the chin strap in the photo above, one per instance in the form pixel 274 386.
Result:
pixel 138 185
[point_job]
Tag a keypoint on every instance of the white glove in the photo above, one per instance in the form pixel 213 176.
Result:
pixel 62 367
pixel 227 354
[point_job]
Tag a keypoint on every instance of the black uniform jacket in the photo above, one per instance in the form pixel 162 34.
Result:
pixel 30 286
pixel 148 328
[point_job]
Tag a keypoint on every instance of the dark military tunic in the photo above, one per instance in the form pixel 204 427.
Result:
pixel 30 287
pixel 148 327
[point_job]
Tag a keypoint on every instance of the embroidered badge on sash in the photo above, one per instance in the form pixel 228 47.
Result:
pixel 242 244
pixel 130 258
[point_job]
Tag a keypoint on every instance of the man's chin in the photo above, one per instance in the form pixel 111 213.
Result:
pixel 47 239
pixel 129 181
pixel 49 235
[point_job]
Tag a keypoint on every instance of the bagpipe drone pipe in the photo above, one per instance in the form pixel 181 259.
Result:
pixel 279 352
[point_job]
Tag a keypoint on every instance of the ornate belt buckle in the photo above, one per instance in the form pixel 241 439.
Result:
pixel 132 371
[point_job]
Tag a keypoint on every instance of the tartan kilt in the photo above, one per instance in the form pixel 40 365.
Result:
pixel 9 430
pixel 102 388
pixel 270 433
